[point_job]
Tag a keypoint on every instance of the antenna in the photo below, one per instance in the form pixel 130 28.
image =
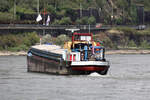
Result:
pixel 72 30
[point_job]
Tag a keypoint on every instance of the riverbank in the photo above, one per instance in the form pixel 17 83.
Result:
pixel 128 52
pixel 9 53
pixel 108 52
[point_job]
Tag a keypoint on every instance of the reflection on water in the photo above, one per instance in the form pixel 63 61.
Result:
pixel 127 79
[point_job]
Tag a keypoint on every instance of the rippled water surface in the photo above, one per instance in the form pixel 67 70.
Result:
pixel 127 79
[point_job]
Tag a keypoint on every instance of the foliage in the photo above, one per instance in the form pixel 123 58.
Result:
pixel 6 17
pixel 122 3
pixel 101 3
pixel 4 5
pixel 51 9
pixel 86 20
pixel 92 20
pixel 145 32
pixel 124 41
pixel 133 14
pixel 19 48
pixel 132 44
pixel 64 8
pixel 118 21
pixel 109 43
pixel 18 41
pixel 78 21
pixel 61 12
pixel 47 39
pixel 30 39
pixel 61 39
pixel 65 21
pixel 145 45
pixel 105 41
pixel 127 30
pixel 20 9
pixel 56 22
pixel 147 5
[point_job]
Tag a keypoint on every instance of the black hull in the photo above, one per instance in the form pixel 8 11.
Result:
pixel 47 62
pixel 45 65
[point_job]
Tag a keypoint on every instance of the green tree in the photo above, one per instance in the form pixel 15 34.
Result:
pixel 61 39
pixel 30 39
pixel 47 39
pixel 78 21
pixel 92 20
pixel 144 44
pixel 132 44
pixel 65 21
pixel 101 3
pixel 51 9
pixel 4 6
pixel 122 3
pixel 84 20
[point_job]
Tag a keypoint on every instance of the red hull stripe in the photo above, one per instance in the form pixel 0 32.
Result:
pixel 89 68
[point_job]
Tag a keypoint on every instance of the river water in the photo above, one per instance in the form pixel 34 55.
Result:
pixel 127 79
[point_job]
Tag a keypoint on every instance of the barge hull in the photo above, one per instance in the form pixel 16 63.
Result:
pixel 59 67
pixel 45 65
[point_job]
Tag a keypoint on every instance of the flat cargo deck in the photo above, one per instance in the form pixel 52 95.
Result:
pixel 49 48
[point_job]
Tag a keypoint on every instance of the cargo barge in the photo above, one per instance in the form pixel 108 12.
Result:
pixel 80 56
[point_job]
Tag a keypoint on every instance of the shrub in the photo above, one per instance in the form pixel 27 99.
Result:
pixel 92 20
pixel 9 40
pixel 30 39
pixel 56 22
pixel 109 44
pixel 83 20
pixel 51 9
pixel 65 21
pixel 145 32
pixel 118 21
pixel 6 17
pixel 145 45
pixel 61 13
pixel 47 39
pixel 123 41
pixel 17 42
pixel 19 48
pixel 78 21
pixel 61 39
pixel 127 30
pixel 132 44
pixel 86 20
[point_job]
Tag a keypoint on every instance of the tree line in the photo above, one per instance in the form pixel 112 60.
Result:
pixel 116 11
